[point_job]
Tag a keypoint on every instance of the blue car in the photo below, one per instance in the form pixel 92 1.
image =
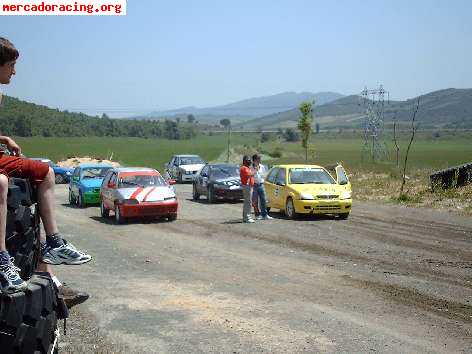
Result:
pixel 62 174
pixel 84 186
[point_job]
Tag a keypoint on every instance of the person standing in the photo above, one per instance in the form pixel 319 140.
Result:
pixel 247 182
pixel 258 194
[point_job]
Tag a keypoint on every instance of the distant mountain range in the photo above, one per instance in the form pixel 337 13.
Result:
pixel 444 108
pixel 252 107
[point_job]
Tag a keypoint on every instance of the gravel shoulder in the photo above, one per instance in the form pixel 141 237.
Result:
pixel 388 279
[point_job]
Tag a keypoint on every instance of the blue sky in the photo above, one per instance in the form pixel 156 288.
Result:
pixel 171 54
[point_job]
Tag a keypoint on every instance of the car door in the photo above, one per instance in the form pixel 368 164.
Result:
pixel 280 190
pixel 74 182
pixel 111 190
pixel 104 190
pixel 270 187
pixel 175 167
pixel 204 177
pixel 341 177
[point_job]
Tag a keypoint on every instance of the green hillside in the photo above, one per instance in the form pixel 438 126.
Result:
pixel 449 108
pixel 20 118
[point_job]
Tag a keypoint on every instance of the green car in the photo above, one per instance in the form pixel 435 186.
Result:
pixel 84 186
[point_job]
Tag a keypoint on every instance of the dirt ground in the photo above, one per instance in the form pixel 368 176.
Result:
pixel 389 279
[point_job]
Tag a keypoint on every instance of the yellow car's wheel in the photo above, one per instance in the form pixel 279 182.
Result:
pixel 290 209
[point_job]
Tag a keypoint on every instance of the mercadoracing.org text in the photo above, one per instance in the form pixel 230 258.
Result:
pixel 62 7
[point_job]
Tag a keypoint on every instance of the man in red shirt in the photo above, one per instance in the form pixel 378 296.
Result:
pixel 247 181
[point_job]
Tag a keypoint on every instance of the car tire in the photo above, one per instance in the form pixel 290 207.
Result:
pixel 104 211
pixel 23 226
pixel 210 195
pixel 179 178
pixel 118 217
pixel 59 179
pixel 172 217
pixel 72 200
pixel 290 209
pixel 343 216
pixel 80 201
pixel 195 194
pixel 29 318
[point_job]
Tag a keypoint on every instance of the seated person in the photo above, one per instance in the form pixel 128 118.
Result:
pixel 55 249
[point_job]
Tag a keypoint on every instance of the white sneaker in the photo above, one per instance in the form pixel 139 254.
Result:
pixel 65 254
pixel 249 221
pixel 268 217
pixel 10 280
pixel 259 217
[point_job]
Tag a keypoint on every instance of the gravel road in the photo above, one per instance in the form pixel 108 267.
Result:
pixel 388 279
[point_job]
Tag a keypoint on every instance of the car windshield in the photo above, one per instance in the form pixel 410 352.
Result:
pixel 310 176
pixel 224 171
pixel 94 172
pixel 191 160
pixel 141 181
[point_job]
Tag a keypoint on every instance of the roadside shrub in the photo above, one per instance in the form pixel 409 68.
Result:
pixel 265 137
pixel 276 153
pixel 291 135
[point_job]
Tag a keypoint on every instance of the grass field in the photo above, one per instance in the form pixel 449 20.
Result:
pixel 425 153
pixel 371 181
pixel 128 151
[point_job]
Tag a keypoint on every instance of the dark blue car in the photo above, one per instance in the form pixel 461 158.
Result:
pixel 63 174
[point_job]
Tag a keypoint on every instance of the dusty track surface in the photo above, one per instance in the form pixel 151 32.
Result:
pixel 389 279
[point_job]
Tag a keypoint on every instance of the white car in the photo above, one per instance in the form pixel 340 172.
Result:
pixel 137 192
pixel 184 168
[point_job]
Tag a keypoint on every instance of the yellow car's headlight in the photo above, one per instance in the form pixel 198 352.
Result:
pixel 306 196
pixel 345 195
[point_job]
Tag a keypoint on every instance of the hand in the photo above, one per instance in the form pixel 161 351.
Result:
pixel 13 147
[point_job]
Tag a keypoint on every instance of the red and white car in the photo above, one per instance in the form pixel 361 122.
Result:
pixel 137 192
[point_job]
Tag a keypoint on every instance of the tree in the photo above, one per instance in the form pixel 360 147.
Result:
pixel 191 118
pixel 225 123
pixel 304 124
pixel 317 128
pixel 414 128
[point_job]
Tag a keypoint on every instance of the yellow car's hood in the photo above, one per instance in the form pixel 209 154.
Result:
pixel 318 189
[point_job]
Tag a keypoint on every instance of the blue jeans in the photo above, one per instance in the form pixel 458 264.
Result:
pixel 259 198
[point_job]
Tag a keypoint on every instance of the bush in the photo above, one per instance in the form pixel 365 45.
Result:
pixel 291 135
pixel 277 153
pixel 265 137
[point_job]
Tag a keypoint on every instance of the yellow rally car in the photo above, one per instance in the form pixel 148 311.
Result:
pixel 308 189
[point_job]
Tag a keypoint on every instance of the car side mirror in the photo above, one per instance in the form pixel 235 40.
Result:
pixel 343 182
pixel 111 185
pixel 171 182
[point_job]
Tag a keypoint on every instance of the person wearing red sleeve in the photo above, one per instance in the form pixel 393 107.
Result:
pixel 247 182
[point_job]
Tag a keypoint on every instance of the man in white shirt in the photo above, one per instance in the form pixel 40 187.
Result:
pixel 258 194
